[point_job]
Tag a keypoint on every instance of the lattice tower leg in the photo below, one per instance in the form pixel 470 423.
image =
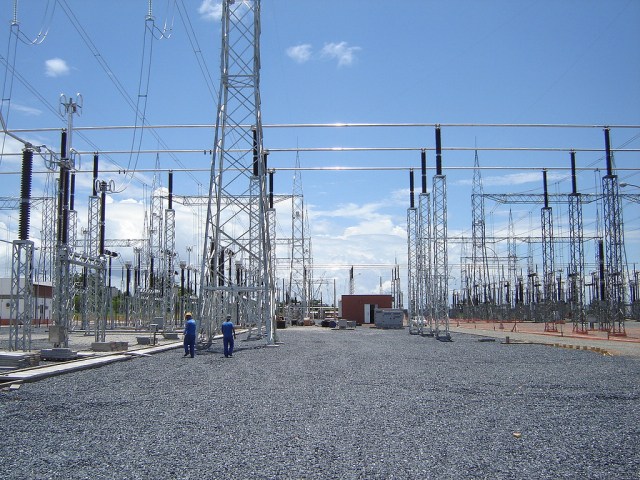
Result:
pixel 440 257
pixel 21 311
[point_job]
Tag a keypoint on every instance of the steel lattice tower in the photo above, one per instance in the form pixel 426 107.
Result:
pixel 576 255
pixel 298 290
pixel 425 286
pixel 548 260
pixel 614 245
pixel 156 245
pixel 512 253
pixel 413 237
pixel 440 255
pixel 481 293
pixel 236 229
pixel 169 250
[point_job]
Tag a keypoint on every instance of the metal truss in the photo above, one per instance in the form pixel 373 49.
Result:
pixel 202 200
pixel 425 277
pixel 170 247
pixel 440 258
pixel 415 320
pixel 576 256
pixel 298 292
pixel 555 198
pixel 512 254
pixel 21 295
pixel 614 245
pixel 481 293
pixel 236 230
pixel 156 248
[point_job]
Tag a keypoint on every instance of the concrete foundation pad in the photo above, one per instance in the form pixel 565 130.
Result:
pixel 58 354
pixel 109 346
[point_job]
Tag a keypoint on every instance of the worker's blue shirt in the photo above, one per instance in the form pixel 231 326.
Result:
pixel 227 329
pixel 190 327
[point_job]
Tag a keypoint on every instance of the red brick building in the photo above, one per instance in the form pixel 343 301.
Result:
pixel 360 307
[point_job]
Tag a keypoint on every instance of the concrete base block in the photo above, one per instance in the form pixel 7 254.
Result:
pixel 109 346
pixel 170 336
pixel 58 354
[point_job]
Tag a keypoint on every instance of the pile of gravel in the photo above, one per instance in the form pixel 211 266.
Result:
pixel 366 404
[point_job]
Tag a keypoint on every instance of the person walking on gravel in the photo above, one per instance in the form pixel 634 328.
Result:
pixel 189 335
pixel 228 336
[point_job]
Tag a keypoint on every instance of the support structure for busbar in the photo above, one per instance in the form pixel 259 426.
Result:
pixel 440 254
pixel 425 275
pixel 236 230
pixel 412 262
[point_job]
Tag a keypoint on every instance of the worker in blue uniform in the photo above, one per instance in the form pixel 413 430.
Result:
pixel 189 335
pixel 228 336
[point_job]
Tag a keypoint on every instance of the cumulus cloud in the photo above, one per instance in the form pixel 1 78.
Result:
pixel 300 53
pixel 56 67
pixel 341 52
pixel 210 10
pixel 29 111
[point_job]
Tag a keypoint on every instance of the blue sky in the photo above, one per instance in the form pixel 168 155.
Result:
pixel 416 61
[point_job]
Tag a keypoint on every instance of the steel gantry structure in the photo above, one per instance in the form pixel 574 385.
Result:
pixel 236 272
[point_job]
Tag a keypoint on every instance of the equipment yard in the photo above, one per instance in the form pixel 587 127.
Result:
pixel 363 403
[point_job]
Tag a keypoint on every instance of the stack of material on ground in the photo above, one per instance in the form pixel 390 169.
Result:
pixel 14 360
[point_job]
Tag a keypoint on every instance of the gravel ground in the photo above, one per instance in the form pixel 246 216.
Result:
pixel 354 404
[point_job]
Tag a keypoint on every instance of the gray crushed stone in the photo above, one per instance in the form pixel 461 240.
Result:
pixel 356 404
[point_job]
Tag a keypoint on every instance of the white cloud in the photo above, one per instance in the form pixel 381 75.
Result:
pixel 26 110
pixel 340 51
pixel 56 67
pixel 300 53
pixel 514 179
pixel 210 10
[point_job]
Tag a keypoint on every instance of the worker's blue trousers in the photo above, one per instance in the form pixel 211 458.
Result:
pixel 190 344
pixel 228 346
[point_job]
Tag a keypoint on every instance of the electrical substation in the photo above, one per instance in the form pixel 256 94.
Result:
pixel 73 275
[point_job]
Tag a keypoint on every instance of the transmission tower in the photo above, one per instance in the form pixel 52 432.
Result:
pixel 614 244
pixel 440 256
pixel 576 255
pixel 512 254
pixel 298 298
pixel 481 294
pixel 236 229
pixel 548 262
